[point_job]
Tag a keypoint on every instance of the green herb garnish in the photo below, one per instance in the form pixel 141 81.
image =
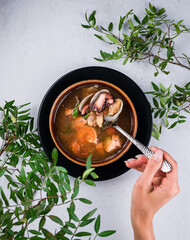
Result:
pixel 85 117
pixel 76 110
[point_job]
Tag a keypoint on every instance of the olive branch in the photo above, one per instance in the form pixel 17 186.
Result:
pixel 153 39
pixel 35 185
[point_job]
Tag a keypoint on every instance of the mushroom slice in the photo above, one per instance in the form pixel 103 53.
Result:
pixel 83 102
pixel 114 111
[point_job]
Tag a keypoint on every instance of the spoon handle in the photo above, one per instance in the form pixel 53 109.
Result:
pixel 166 166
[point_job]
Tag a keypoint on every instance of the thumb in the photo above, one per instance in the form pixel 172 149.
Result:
pixel 153 165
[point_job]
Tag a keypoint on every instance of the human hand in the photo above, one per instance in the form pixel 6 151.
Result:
pixel 152 190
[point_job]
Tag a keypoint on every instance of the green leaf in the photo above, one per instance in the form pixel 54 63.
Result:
pixel 173 125
pixel 22 172
pixel 75 111
pixel 99 37
pixel 72 225
pixel 88 215
pixel 85 26
pixel 92 16
pixel 86 222
pixel 35 232
pixel 156 74
pixel 54 156
pixel 145 19
pixel 94 175
pixel 13 196
pixel 152 8
pixel 155 103
pixel 66 230
pixel 20 233
pixel 42 222
pixel 111 38
pixel 126 60
pixel 97 224
pixel 82 234
pixel 29 192
pixel 169 52
pixel 4 197
pixel 9 104
pixel 73 215
pixel 48 234
pixel 156 88
pixel 106 233
pixel 155 60
pixel 88 162
pixel 2 171
pixel 181 121
pixel 177 28
pixel 89 182
pixel 87 172
pixel 120 23
pixel 155 135
pixel 173 115
pixel 136 19
pixel 56 219
pixel 110 27
pixel 98 59
pixel 182 90
pixel 76 189
pixel 162 88
pixel 131 24
pixel 84 200
pixel 163 65
pixel 61 169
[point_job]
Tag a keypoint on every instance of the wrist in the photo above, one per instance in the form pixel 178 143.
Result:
pixel 143 228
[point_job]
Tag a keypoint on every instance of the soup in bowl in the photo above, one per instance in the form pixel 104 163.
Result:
pixel 81 120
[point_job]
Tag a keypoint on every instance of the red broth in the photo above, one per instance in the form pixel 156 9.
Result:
pixel 78 139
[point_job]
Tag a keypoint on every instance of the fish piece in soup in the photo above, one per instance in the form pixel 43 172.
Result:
pixel 87 134
pixel 78 122
pixel 75 147
pixel 112 143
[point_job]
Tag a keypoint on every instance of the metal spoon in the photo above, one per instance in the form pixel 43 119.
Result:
pixel 166 166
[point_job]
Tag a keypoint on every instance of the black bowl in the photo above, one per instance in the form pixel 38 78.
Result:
pixel 137 97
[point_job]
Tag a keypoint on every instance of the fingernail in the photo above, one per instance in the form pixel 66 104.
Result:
pixel 158 156
pixel 139 155
pixel 130 160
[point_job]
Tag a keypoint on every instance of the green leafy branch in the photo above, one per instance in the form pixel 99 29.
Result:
pixel 169 107
pixel 35 185
pixel 152 39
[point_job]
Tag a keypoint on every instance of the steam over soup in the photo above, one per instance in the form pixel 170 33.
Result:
pixel 83 119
